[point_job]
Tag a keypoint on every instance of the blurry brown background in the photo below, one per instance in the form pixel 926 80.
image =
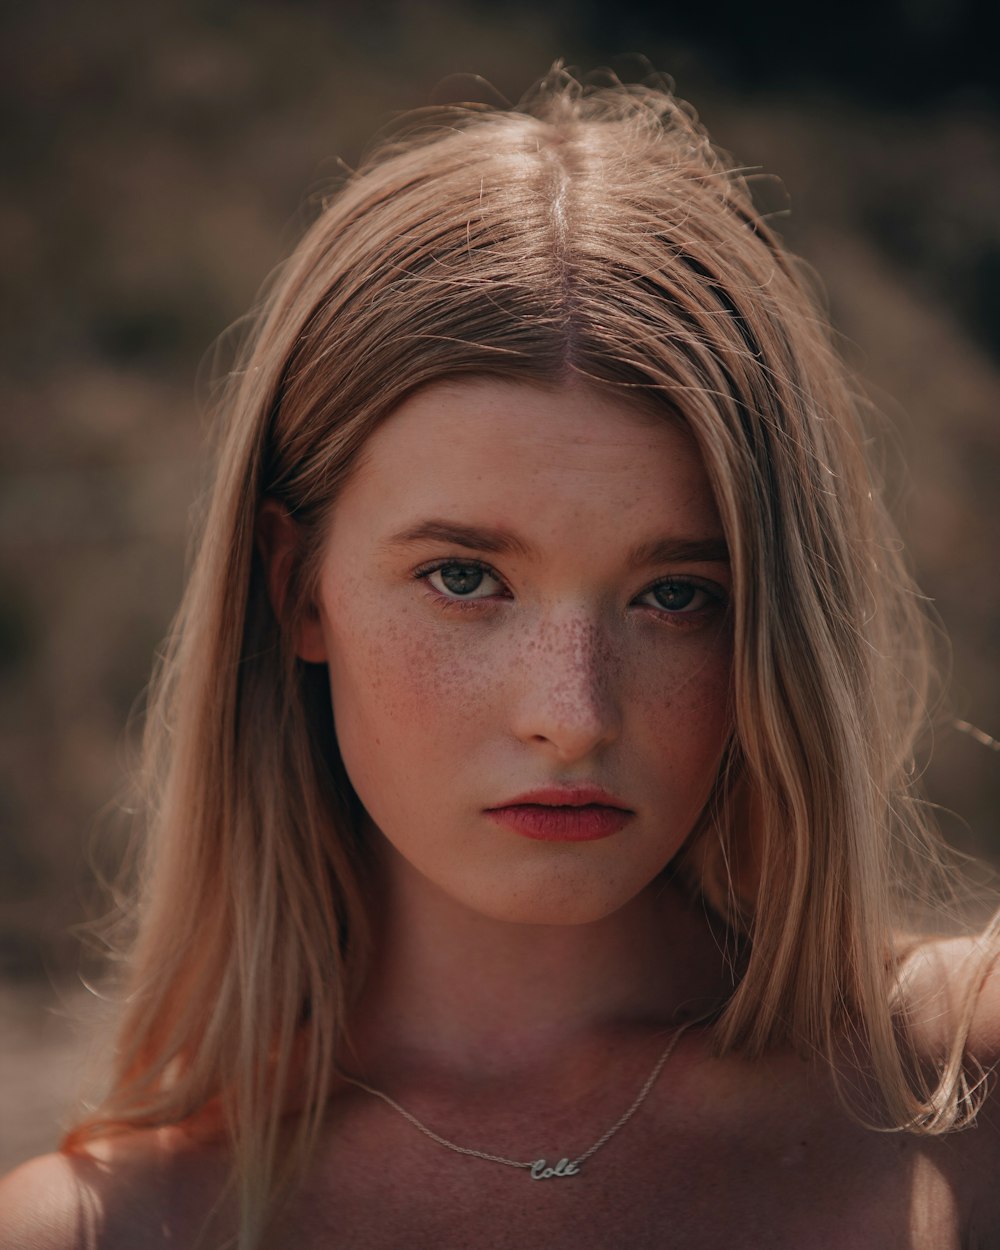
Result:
pixel 158 160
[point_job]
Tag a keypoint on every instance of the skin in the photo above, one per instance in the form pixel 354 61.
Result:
pixel 560 666
pixel 522 990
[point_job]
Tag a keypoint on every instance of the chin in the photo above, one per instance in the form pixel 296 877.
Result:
pixel 567 904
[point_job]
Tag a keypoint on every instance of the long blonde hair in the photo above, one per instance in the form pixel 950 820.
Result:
pixel 592 233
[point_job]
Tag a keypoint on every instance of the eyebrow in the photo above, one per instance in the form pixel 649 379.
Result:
pixel 665 550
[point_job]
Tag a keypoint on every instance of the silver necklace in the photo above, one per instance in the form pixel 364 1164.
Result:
pixel 538 1169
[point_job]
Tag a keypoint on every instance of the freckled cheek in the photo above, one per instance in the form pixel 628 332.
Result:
pixel 400 676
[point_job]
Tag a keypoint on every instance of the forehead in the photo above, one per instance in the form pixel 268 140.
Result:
pixel 522 453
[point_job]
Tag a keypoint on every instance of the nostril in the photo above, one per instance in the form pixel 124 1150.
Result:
pixel 569 700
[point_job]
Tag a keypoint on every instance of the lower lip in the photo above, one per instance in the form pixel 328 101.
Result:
pixel 561 824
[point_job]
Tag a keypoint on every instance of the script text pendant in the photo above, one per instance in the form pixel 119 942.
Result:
pixel 541 1172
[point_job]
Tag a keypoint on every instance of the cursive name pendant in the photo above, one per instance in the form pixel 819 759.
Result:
pixel 539 1171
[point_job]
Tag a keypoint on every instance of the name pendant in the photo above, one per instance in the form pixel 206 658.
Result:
pixel 541 1172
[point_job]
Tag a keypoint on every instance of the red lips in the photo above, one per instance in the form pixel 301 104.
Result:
pixel 565 796
pixel 563 814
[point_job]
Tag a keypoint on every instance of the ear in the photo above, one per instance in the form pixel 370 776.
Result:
pixel 279 541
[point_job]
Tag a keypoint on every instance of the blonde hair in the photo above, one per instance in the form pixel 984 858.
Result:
pixel 592 233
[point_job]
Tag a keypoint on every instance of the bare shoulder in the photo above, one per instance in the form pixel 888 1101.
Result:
pixel 951 989
pixel 142 1190
pixel 43 1206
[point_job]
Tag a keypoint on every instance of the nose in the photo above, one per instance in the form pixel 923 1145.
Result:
pixel 568 697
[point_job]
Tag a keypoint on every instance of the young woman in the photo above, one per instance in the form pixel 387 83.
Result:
pixel 532 850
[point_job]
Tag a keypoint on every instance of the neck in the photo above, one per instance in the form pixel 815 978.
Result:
pixel 453 990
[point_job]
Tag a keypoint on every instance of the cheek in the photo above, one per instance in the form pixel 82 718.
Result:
pixel 394 682
pixel 683 708
pixel 687 670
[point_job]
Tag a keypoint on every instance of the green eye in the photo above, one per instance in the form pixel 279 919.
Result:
pixel 676 596
pixel 455 580
pixel 461 579
pixel 681 597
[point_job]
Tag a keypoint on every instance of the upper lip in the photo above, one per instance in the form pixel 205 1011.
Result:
pixel 565 796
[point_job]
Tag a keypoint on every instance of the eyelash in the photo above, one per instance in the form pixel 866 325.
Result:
pixel 718 599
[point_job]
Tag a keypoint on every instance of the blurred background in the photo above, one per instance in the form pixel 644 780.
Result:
pixel 159 159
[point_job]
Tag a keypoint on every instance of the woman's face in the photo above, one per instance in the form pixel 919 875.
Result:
pixel 525 590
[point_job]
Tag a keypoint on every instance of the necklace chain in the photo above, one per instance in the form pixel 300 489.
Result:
pixel 539 1171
